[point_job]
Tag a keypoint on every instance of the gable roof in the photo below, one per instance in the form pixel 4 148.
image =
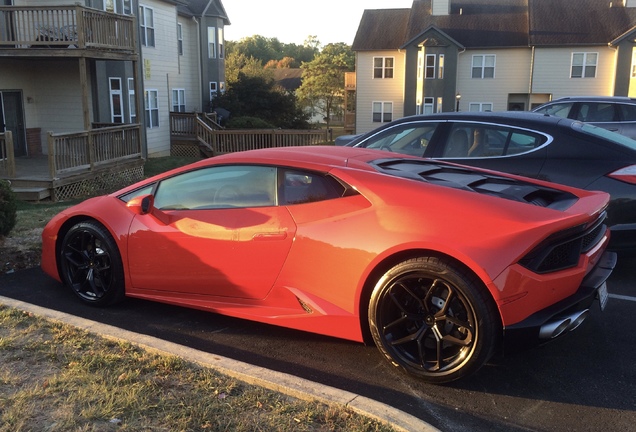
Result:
pixel 209 8
pixel 498 23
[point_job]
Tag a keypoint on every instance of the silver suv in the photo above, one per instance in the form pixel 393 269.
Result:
pixel 615 113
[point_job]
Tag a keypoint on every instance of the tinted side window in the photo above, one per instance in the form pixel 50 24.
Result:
pixel 410 138
pixel 596 112
pixel 627 112
pixel 300 187
pixel 218 187
pixel 557 109
pixel 483 140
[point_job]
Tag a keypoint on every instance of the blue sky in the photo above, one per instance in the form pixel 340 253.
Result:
pixel 291 21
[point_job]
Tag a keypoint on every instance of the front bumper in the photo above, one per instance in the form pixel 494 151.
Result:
pixel 566 314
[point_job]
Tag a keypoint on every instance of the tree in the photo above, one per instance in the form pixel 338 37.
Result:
pixel 236 63
pixel 257 96
pixel 323 79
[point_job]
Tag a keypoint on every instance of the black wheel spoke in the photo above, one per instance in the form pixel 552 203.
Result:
pixel 425 319
pixel 90 267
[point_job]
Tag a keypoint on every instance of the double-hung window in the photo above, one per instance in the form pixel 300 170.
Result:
pixel 116 101
pixel 213 90
pixel 178 100
pixel 430 66
pixel 383 67
pixel 152 108
pixel 584 65
pixel 382 112
pixel 212 42
pixel 132 107
pixel 483 66
pixel 147 24
pixel 480 106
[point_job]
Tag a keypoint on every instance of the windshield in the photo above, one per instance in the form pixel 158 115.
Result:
pixel 605 134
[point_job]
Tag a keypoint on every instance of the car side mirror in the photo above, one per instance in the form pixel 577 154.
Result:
pixel 141 205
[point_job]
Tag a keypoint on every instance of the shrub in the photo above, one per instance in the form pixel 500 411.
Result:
pixel 8 208
pixel 248 123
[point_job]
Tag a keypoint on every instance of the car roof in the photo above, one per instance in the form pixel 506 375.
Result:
pixel 594 99
pixel 504 117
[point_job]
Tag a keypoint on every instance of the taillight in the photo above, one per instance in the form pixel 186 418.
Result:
pixel 627 174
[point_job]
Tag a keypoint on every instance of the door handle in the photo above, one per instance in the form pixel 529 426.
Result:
pixel 270 236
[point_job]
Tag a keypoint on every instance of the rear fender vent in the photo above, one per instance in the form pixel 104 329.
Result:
pixel 563 250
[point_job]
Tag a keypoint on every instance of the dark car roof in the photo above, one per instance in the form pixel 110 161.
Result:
pixel 518 118
pixel 594 99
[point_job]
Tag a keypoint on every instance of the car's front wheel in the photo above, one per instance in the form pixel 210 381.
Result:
pixel 433 319
pixel 91 265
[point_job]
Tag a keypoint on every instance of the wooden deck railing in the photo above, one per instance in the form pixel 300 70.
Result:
pixel 190 125
pixel 7 159
pixel 228 141
pixel 65 26
pixel 86 150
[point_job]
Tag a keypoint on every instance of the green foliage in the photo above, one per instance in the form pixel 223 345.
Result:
pixel 259 97
pixel 265 49
pixel 248 123
pixel 323 79
pixel 8 208
pixel 236 62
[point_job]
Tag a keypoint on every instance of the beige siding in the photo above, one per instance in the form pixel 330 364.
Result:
pixel 160 65
pixel 552 72
pixel 187 76
pixel 512 75
pixel 52 97
pixel 371 90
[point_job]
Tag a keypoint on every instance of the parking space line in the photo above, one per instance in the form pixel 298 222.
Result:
pixel 622 297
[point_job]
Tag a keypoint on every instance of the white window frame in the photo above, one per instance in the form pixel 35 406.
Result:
pixel 385 111
pixel 147 29
pixel 386 67
pixel 439 105
pixel 116 94
pixel 214 90
pixel 220 43
pixel 430 67
pixel 212 42
pixel 429 105
pixel 151 106
pixel 180 38
pixel 178 100
pixel 440 67
pixel 585 56
pixel 480 106
pixel 132 113
pixel 479 64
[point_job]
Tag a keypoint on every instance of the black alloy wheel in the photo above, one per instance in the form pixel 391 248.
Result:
pixel 91 264
pixel 433 320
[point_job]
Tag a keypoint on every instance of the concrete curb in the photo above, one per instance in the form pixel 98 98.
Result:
pixel 290 385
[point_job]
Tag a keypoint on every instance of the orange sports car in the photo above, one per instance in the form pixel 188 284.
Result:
pixel 440 265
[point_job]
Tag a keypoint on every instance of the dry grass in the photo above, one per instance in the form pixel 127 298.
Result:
pixel 54 377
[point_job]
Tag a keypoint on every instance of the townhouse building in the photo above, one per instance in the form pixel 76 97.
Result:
pixel 176 52
pixel 490 55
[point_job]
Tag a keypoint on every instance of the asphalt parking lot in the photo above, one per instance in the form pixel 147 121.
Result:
pixel 585 381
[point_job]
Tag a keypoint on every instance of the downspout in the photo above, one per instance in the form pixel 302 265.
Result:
pixel 205 10
pixel 531 80
pixel 457 80
pixel 613 86
pixel 199 66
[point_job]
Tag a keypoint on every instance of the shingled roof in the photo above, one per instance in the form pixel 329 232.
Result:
pixel 196 8
pixel 499 23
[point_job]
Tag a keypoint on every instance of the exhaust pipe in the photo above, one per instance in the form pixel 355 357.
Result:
pixel 556 328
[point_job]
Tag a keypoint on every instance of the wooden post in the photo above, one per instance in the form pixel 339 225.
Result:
pixel 10 155
pixel 51 150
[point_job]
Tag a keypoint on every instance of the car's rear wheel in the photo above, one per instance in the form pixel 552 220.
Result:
pixel 433 319
pixel 91 265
